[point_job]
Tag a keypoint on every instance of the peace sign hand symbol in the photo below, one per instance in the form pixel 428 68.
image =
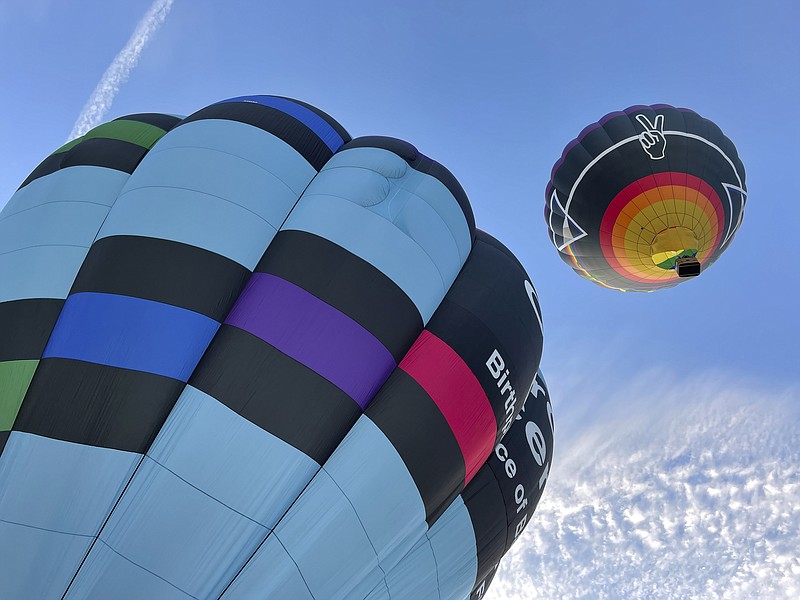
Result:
pixel 652 138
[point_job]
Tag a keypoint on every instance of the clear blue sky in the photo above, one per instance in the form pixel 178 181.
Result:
pixel 493 90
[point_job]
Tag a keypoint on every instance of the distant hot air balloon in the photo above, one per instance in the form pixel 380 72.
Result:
pixel 242 355
pixel 645 197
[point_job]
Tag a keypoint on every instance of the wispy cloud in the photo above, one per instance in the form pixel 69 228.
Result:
pixel 668 488
pixel 120 68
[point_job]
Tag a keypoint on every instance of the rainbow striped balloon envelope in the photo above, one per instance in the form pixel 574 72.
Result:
pixel 645 198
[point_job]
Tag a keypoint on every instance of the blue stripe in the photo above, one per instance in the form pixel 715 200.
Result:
pixel 306 116
pixel 131 333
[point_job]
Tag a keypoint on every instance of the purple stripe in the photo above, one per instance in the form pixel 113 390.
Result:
pixel 313 333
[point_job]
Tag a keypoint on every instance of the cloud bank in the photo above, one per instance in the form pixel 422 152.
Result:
pixel 120 68
pixel 667 490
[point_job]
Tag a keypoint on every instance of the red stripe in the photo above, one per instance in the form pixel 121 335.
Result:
pixel 641 186
pixel 451 384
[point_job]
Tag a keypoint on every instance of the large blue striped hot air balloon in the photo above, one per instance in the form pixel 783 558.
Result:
pixel 244 356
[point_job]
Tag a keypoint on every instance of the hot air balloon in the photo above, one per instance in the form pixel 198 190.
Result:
pixel 645 198
pixel 243 354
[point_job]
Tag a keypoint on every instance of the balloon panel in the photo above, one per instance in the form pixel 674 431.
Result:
pixel 459 554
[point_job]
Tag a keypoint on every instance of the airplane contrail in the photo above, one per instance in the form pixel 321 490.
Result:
pixel 120 68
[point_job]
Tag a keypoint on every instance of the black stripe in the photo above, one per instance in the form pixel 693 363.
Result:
pixel 4 439
pixel 97 405
pixel 275 392
pixel 25 327
pixel 165 122
pixel 328 119
pixel 487 308
pixel 278 123
pixel 482 585
pixel 95 152
pixel 498 511
pixel 529 472
pixel 419 162
pixel 164 271
pixel 486 507
pixel 348 283
pixel 412 422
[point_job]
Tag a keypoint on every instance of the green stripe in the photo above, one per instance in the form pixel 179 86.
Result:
pixel 15 377
pixel 670 262
pixel 141 134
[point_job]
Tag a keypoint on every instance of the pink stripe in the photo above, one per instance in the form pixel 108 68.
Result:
pixel 451 384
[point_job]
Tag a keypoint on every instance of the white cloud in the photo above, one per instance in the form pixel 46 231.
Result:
pixel 120 68
pixel 667 488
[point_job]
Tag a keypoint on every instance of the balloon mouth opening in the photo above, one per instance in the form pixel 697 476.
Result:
pixel 675 248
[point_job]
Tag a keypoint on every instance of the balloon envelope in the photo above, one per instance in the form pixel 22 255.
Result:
pixel 645 197
pixel 243 354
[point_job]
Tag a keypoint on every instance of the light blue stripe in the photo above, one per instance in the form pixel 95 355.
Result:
pixel 367 201
pixel 213 482
pixel 231 459
pixel 59 493
pixel 371 474
pixel 219 185
pixel 224 176
pixel 414 577
pixel 106 575
pixel 83 184
pixel 175 532
pixel 271 574
pixel 308 117
pixel 453 541
pixel 436 194
pixel 42 272
pixel 57 223
pixel 243 142
pixel 324 537
pixel 47 227
pixel 36 563
pixel 191 218
pixel 443 564
pixel 358 517
pixel 390 167
pixel 382 593
pixel 131 333
pixel 60 485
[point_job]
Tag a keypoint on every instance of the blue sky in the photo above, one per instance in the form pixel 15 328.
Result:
pixel 494 91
